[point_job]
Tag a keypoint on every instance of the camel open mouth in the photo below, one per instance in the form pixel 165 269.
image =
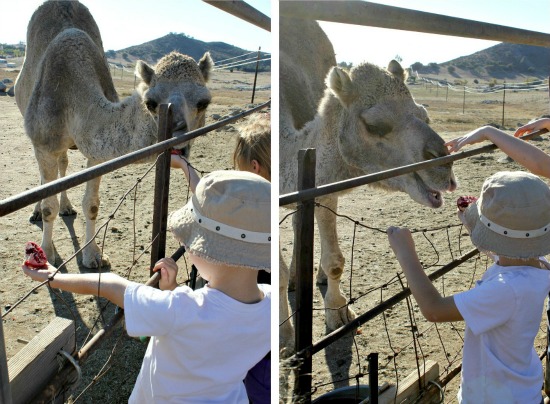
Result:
pixel 433 197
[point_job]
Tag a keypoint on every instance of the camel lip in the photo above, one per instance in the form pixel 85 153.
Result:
pixel 432 196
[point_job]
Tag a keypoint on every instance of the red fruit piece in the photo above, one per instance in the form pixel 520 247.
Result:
pixel 464 201
pixel 35 256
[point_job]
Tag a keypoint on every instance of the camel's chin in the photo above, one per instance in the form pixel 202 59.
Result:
pixel 427 196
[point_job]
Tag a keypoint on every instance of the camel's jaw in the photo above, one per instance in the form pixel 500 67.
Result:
pixel 427 196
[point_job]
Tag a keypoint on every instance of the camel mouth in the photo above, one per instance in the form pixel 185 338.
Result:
pixel 431 197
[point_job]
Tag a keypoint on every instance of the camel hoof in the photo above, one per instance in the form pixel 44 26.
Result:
pixel 321 277
pixel 67 211
pixel 339 318
pixel 36 216
pixel 96 261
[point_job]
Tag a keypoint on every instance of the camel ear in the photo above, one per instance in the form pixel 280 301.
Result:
pixel 144 72
pixel 205 65
pixel 339 82
pixel 395 68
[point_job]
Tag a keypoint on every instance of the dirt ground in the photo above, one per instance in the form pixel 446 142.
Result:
pixel 370 274
pixel 113 368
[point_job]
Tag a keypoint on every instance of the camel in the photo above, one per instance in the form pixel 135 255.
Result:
pixel 68 100
pixel 366 121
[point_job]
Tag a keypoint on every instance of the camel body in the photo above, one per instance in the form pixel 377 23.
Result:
pixel 68 100
pixel 364 121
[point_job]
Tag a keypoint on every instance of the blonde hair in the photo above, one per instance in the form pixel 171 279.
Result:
pixel 254 143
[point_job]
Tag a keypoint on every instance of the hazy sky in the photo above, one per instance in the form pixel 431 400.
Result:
pixel 377 45
pixel 125 23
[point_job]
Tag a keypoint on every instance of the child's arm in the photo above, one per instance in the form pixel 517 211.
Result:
pixel 178 161
pixel 168 273
pixel 112 285
pixel 529 156
pixel 432 305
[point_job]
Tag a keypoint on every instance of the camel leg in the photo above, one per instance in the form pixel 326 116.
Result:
pixel 91 255
pixel 65 207
pixel 49 207
pixel 332 263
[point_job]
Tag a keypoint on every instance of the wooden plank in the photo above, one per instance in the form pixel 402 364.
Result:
pixel 34 365
pixel 408 388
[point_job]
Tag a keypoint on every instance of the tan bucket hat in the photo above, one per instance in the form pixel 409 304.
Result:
pixel 227 220
pixel 512 216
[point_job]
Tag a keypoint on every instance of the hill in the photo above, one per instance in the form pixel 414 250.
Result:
pixel 502 61
pixel 152 51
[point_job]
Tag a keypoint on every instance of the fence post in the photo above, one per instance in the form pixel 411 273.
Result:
pixel 5 389
pixel 304 273
pixel 464 100
pixel 162 186
pixel 503 102
pixel 255 75
pixel 373 377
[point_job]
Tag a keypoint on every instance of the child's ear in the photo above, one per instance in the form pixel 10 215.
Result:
pixel 256 167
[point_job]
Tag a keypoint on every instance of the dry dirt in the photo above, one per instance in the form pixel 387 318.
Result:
pixel 127 237
pixel 371 267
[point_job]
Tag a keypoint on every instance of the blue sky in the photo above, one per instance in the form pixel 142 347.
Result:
pixel 125 23
pixel 379 46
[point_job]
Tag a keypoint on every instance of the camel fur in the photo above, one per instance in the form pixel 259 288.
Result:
pixel 67 97
pixel 366 121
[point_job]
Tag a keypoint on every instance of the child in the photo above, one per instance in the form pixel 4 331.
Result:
pixel 511 220
pixel 529 156
pixel 204 341
pixel 252 151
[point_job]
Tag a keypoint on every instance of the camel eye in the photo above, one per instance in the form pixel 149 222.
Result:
pixel 202 105
pixel 379 129
pixel 430 154
pixel 151 105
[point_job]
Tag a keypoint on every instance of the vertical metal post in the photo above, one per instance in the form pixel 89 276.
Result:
pixel 373 377
pixel 464 100
pixel 503 102
pixel 304 273
pixel 5 389
pixel 162 187
pixel 255 75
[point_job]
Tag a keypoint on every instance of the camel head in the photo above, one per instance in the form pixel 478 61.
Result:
pixel 179 80
pixel 381 127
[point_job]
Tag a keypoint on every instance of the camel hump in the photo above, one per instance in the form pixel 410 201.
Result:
pixel 53 17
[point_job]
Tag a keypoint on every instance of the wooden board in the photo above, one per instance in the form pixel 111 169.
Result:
pixel 34 365
pixel 409 387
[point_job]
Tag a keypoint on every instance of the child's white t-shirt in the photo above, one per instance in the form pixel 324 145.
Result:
pixel 503 314
pixel 203 343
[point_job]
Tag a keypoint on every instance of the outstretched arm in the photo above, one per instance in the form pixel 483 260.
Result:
pixel 529 156
pixel 178 161
pixel 112 285
pixel 433 306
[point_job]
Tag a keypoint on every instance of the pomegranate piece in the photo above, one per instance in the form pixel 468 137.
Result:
pixel 34 256
pixel 464 201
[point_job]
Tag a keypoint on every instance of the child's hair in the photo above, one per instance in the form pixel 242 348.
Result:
pixel 254 143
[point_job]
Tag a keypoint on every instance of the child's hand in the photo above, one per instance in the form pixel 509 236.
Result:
pixel 475 136
pixel 39 275
pixel 401 241
pixel 177 161
pixel 168 272
pixel 539 124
